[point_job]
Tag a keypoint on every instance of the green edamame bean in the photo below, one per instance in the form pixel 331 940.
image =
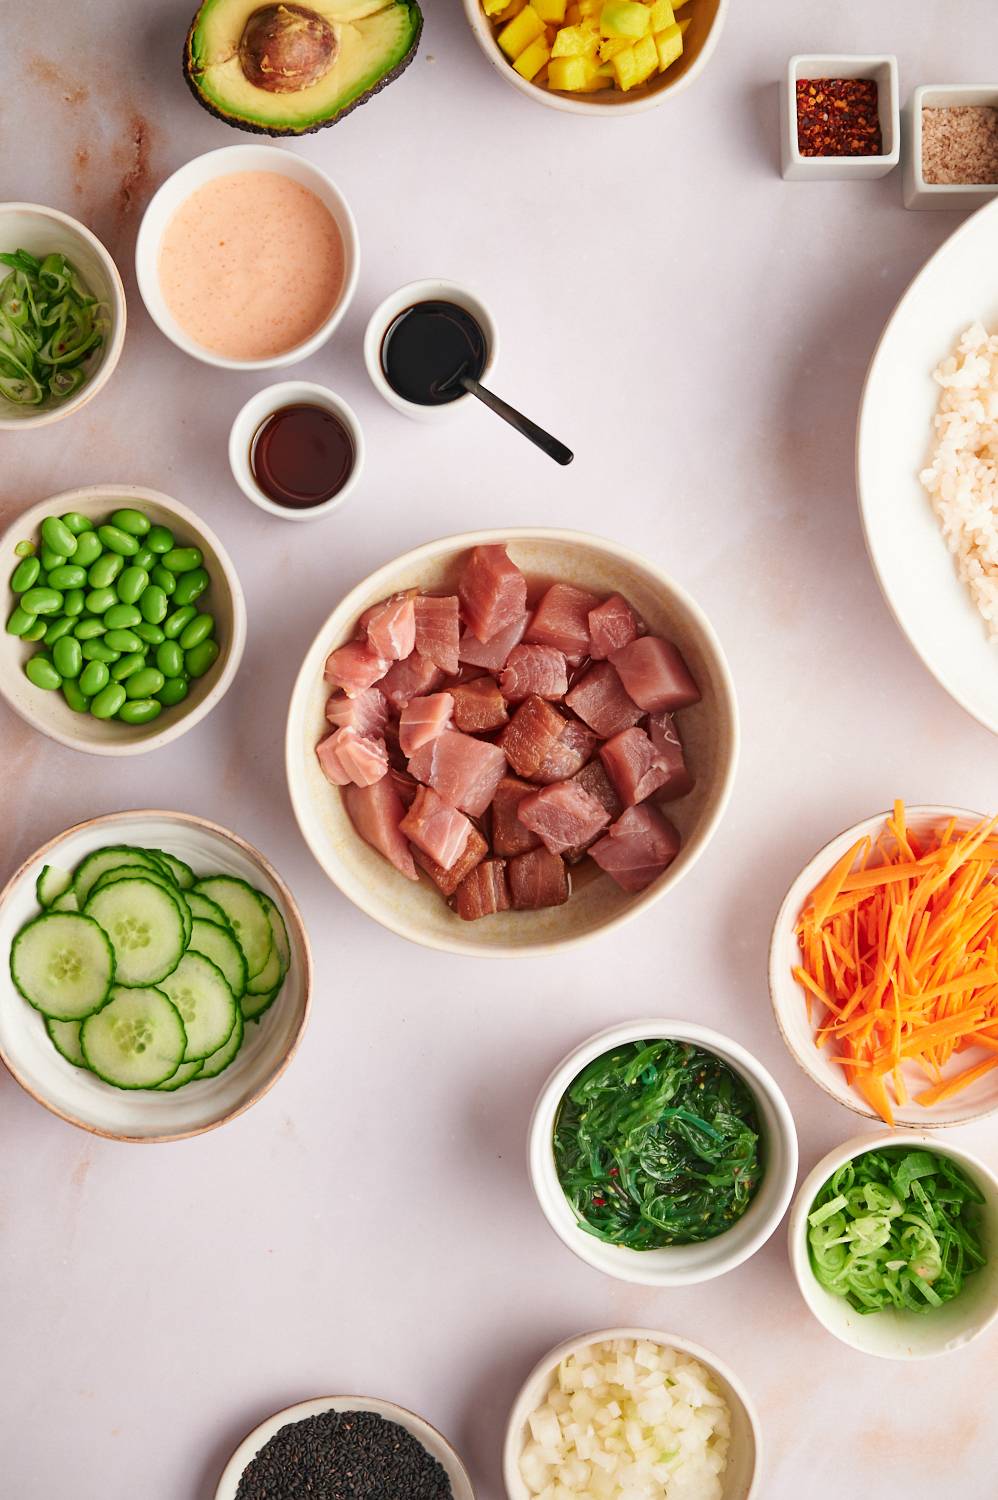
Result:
pixel 122 640
pixel 200 628
pixel 72 603
pixel 190 586
pixel 163 579
pixel 28 549
pixel 182 559
pixel 174 690
pixel 42 601
pixel 108 701
pixel 25 575
pixel 201 658
pixel 151 634
pixel 76 523
pixel 68 576
pixel 68 657
pixel 116 540
pixel 88 629
pixel 122 617
pixel 57 535
pixel 105 570
pixel 133 662
pixel 132 584
pixel 35 631
pixel 170 659
pixel 154 604
pixel 144 683
pixel 178 621
pixel 39 670
pixel 131 521
pixel 19 621
pixel 140 711
pixel 50 559
pixel 93 678
pixel 159 539
pixel 76 700
pixel 144 558
pixel 88 549
pixel 98 600
pixel 96 650
pixel 58 628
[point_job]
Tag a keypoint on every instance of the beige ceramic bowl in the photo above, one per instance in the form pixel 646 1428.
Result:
pixel 141 1114
pixel 740 1480
pixel 49 711
pixel 706 19
pixel 418 912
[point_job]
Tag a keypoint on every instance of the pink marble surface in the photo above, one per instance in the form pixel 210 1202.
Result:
pixel 698 331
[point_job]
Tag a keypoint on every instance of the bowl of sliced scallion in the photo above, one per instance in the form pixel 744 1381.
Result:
pixel 62 315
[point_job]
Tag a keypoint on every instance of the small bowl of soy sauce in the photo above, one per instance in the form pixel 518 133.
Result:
pixel 421 340
pixel 296 449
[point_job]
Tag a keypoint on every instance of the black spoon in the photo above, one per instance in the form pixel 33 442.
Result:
pixel 547 444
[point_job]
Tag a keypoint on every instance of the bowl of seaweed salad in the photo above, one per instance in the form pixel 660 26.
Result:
pixel 662 1152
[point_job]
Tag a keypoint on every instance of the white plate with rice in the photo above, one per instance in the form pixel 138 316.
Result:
pixel 936 557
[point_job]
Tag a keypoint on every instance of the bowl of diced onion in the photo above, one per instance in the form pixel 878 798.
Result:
pixel 632 1412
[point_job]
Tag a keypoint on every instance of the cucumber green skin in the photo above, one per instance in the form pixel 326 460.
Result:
pixel 185 1074
pixel 178 872
pixel 253 1006
pixel 83 888
pixel 78 1062
pixel 277 924
pixel 177 899
pixel 45 917
pixel 270 975
pixel 127 872
pixel 226 932
pixel 204 909
pixel 233 1006
pixel 210 880
pixel 220 1060
pixel 132 1088
pixel 61 880
pixel 66 902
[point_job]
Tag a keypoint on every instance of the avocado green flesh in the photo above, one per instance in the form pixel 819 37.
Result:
pixel 376 40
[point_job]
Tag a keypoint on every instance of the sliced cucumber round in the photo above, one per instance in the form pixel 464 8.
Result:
pixel 63 965
pixel 270 975
pixel 158 877
pixel 66 902
pixel 281 940
pixel 246 916
pixel 110 857
pixel 181 874
pixel 65 1038
pixel 198 989
pixel 208 910
pixel 145 925
pixel 137 1041
pixel 52 883
pixel 218 944
pixel 253 1006
pixel 184 1074
pixel 220 1060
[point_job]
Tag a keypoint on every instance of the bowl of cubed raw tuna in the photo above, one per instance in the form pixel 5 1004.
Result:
pixel 503 743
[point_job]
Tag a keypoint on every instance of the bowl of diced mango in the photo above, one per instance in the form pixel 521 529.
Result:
pixel 586 55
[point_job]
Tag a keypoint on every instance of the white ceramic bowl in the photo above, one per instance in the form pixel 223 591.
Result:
pixel 881 67
pixel 194 174
pixel 701 38
pixel 251 417
pixel 900 1335
pixel 417 911
pixel 742 1474
pixel 957 287
pixel 383 317
pixel 48 711
pixel 674 1265
pixel 433 1441
pixel 788 997
pixel 44 231
pixel 120 1114
pixel 953 195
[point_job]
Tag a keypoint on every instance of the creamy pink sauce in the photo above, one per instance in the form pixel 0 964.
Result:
pixel 251 265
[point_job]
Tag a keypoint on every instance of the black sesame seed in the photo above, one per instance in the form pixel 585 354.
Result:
pixel 352 1455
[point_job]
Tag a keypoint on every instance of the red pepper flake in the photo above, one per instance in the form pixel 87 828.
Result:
pixel 838 117
pixel 599 1202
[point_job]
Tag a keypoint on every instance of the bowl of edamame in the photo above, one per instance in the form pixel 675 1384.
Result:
pixel 124 623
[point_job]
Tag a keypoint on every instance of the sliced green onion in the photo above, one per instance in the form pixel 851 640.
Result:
pixel 50 327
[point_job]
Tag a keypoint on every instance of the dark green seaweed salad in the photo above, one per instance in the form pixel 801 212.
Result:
pixel 658 1143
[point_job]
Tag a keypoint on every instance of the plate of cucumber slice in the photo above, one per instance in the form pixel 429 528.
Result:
pixel 159 975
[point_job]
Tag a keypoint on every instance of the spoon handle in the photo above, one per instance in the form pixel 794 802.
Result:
pixel 547 444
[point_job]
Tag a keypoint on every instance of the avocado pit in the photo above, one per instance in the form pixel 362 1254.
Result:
pixel 286 48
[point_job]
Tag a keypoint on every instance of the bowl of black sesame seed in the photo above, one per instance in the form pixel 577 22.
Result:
pixel 344 1448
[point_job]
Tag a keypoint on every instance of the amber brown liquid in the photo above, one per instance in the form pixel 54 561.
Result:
pixel 427 348
pixel 301 455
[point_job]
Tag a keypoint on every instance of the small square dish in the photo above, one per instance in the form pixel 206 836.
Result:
pixel 883 70
pixel 963 143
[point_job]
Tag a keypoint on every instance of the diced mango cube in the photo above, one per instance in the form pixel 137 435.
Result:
pixel 590 9
pixel 599 81
pixel 494 7
pixel 661 14
pixel 669 46
pixel 627 18
pixel 570 74
pixel 646 57
pixel 625 69
pixel 512 9
pixel 611 46
pixel 521 31
pixel 576 41
pixel 532 58
pixel 553 11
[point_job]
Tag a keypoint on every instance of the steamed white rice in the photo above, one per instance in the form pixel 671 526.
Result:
pixel 962 478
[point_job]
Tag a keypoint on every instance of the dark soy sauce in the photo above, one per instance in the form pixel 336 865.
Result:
pixel 301 455
pixel 427 348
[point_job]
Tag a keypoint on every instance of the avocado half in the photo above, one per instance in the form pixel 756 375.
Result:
pixel 287 69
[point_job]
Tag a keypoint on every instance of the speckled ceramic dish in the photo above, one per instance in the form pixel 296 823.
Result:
pixel 416 911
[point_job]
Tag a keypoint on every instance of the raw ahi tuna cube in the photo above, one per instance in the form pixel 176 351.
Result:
pixel 534 669
pixel 561 619
pixel 436 828
pixel 391 627
pixel 639 846
pixel 464 771
pixel 354 668
pixel 612 624
pixel 423 719
pixel 438 630
pixel 492 591
pixel 347 756
pixel 633 765
pixel 410 678
pixel 655 674
pixel 509 835
pixel 483 892
pixel 665 737
pixel 576 746
pixel 367 713
pixel 537 879
pixel 492 655
pixel 564 816
pixel 600 701
pixel 448 881
pixel 479 706
pixel 376 812
pixel 530 735
pixel 593 779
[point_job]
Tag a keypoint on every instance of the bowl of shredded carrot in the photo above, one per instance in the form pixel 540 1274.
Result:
pixel 883 967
